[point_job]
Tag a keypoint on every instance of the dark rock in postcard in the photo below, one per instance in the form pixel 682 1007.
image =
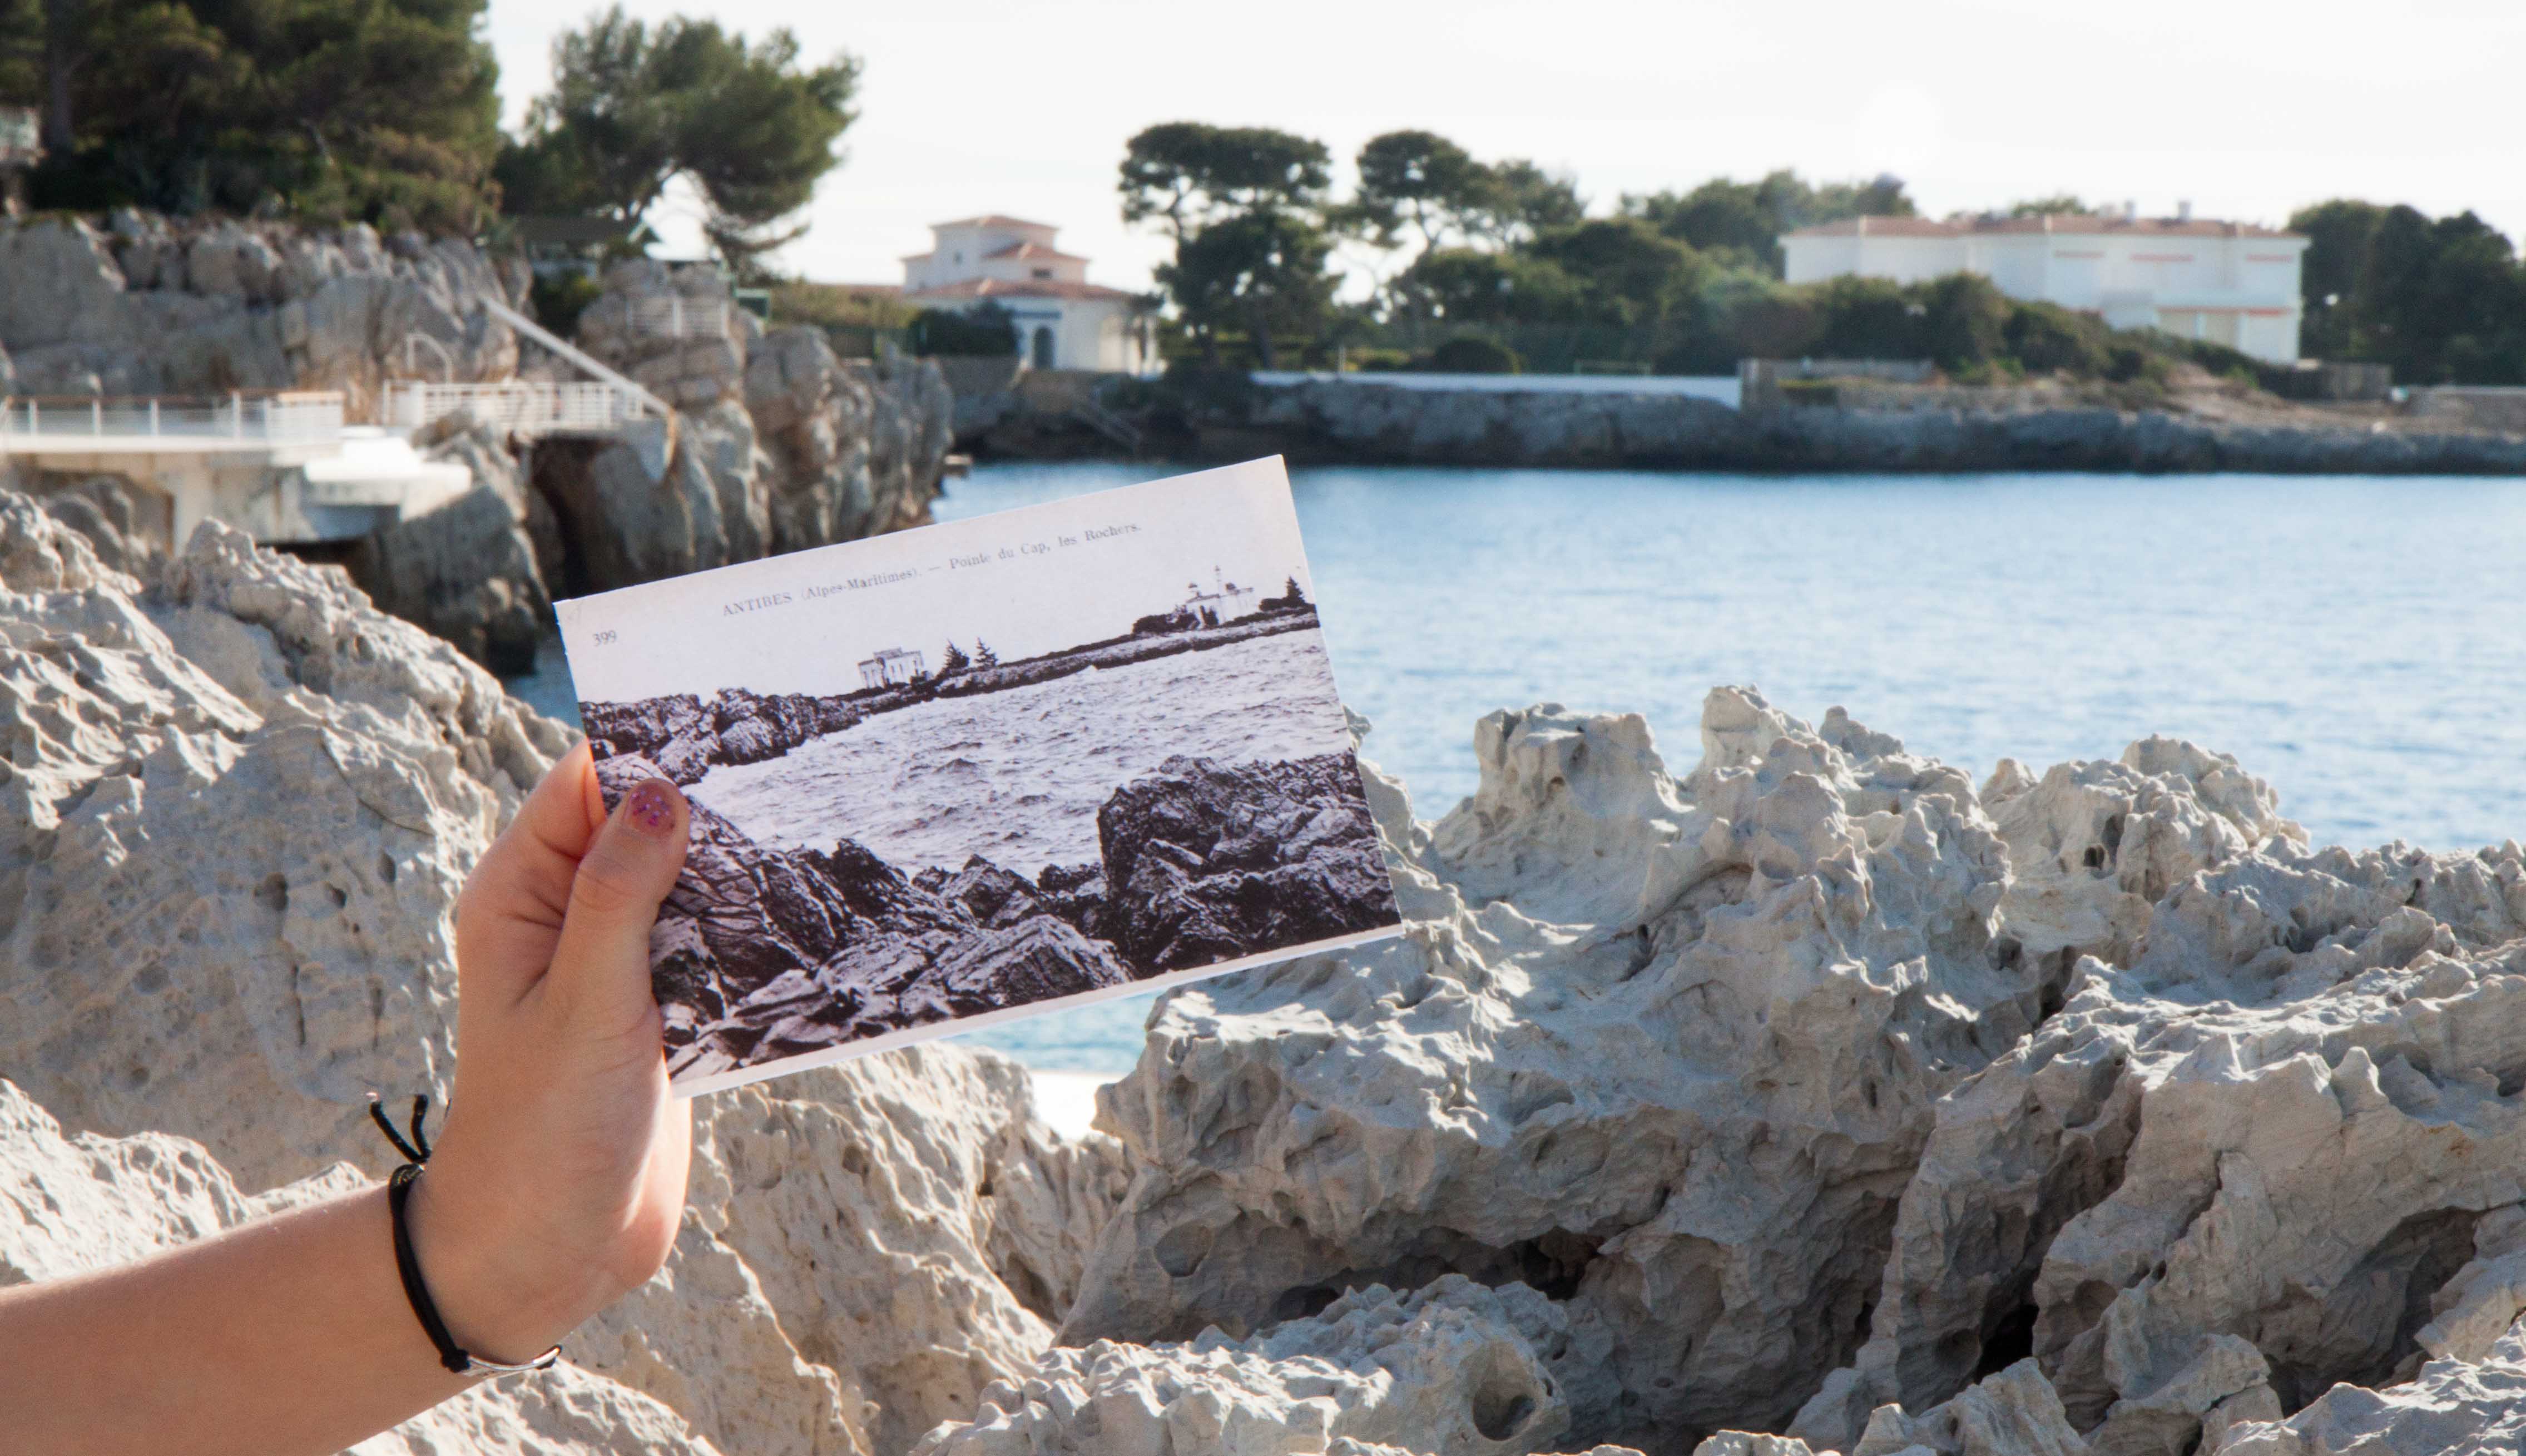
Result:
pixel 1076 893
pixel 1205 863
pixel 1034 960
pixel 994 896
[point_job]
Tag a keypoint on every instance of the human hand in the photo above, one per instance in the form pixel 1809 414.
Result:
pixel 558 1182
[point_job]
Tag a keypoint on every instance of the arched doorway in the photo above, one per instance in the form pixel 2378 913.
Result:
pixel 1043 346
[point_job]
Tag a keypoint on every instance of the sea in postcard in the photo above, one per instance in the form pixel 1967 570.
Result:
pixel 2358 642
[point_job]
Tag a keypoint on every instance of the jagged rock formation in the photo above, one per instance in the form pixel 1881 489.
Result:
pixel 779 445
pixel 1666 1051
pixel 1819 1093
pixel 68 1205
pixel 1451 1370
pixel 150 305
pixel 242 804
pixel 1206 863
pixel 764 953
pixel 468 569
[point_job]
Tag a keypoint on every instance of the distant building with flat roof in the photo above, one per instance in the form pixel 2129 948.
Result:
pixel 1063 320
pixel 2231 283
pixel 892 666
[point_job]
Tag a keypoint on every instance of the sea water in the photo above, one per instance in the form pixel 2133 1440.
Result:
pixel 2358 642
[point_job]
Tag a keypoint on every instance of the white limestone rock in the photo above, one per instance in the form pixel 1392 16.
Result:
pixel 71 1204
pixel 1454 1370
pixel 241 806
pixel 2451 1407
pixel 1665 1050
pixel 2287 1131
pixel 159 307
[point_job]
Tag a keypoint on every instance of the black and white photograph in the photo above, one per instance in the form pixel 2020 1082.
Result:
pixel 984 770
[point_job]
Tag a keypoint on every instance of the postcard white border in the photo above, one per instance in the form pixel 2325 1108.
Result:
pixel 737 1076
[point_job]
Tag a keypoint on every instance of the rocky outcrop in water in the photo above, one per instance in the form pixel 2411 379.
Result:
pixel 1354 422
pixel 778 444
pixel 1206 863
pixel 468 569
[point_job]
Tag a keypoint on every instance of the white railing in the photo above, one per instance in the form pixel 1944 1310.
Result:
pixel 299 417
pixel 677 317
pixel 529 407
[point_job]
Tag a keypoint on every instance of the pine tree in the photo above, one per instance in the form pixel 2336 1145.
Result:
pixel 954 662
pixel 983 656
pixel 1295 597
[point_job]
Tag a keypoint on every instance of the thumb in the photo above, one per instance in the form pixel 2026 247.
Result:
pixel 600 969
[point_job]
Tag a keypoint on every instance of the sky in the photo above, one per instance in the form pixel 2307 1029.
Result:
pixel 1026 582
pixel 2247 109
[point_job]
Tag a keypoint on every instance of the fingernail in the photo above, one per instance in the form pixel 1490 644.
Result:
pixel 651 808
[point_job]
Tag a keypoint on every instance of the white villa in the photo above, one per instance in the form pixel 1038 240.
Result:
pixel 1064 321
pixel 2231 283
pixel 891 666
pixel 1224 601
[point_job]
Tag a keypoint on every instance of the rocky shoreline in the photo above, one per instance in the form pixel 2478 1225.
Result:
pixel 767 953
pixel 684 737
pixel 775 444
pixel 1351 422
pixel 1816 1098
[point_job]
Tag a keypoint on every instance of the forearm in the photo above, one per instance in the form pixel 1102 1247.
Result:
pixel 289 1334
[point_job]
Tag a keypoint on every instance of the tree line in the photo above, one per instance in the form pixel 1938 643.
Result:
pixel 388 112
pixel 1472 252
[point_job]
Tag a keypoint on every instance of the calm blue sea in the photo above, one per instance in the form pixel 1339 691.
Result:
pixel 2359 642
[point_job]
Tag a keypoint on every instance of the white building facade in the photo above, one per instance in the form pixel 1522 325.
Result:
pixel 2230 283
pixel 891 666
pixel 1063 320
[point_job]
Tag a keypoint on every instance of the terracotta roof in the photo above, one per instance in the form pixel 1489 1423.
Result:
pixel 2061 224
pixel 995 220
pixel 1023 289
pixel 1031 251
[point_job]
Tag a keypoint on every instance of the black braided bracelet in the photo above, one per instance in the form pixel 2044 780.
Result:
pixel 398 1192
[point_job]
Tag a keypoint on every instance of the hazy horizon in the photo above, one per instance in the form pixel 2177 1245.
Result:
pixel 2248 110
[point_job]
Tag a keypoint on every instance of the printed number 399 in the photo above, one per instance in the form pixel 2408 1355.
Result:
pixel 604 637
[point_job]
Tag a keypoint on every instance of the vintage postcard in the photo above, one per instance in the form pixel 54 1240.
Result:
pixel 983 770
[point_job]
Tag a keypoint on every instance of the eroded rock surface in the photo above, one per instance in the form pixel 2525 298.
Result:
pixel 1665 1050
pixel 1453 1369
pixel 71 1204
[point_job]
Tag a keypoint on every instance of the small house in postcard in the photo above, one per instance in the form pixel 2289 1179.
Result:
pixel 891 666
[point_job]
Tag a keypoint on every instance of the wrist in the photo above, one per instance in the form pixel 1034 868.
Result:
pixel 501 1290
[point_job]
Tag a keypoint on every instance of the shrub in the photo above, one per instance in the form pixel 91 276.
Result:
pixel 1469 354
pixel 988 329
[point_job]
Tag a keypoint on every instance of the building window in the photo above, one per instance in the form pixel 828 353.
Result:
pixel 1043 273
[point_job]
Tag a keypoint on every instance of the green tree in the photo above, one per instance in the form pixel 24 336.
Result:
pixel 1465 286
pixel 2337 234
pixel 1421 180
pixel 1519 202
pixel 1624 272
pixel 1745 220
pixel 2059 205
pixel 635 107
pixel 1186 176
pixel 1261 273
pixel 384 109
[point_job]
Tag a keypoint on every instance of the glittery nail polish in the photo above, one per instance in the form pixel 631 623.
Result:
pixel 649 809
